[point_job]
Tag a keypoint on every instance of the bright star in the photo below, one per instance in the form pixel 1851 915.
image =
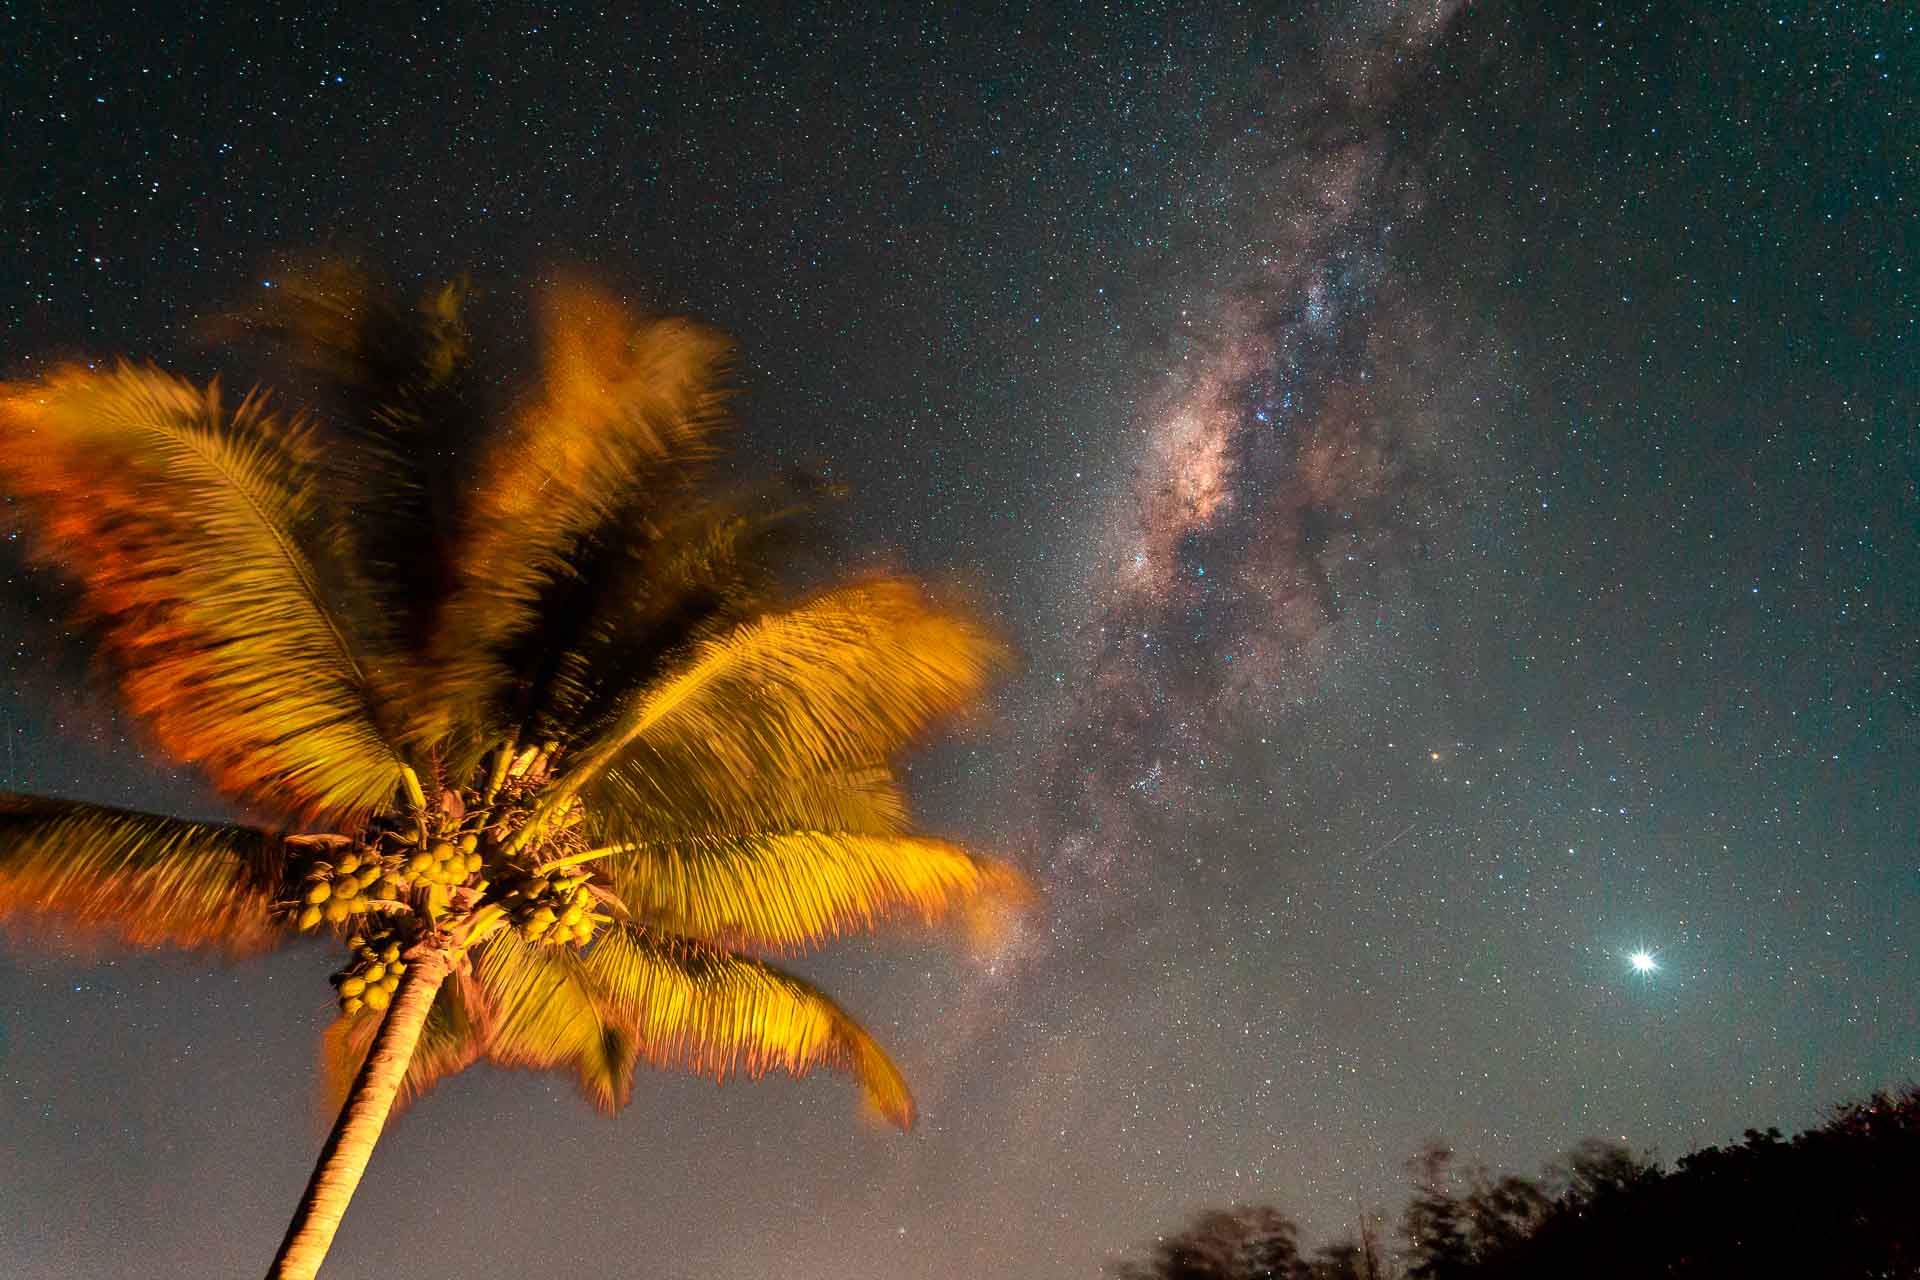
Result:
pixel 1642 962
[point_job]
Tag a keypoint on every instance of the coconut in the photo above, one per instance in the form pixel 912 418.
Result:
pixel 310 917
pixel 352 986
pixel 377 998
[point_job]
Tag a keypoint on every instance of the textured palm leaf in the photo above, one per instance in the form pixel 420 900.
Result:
pixel 624 408
pixel 837 683
pixel 628 804
pixel 694 1007
pixel 546 1014
pixel 452 1040
pixel 788 891
pixel 148 879
pixel 183 526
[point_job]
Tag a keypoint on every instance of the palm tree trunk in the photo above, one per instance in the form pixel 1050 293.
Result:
pixel 344 1159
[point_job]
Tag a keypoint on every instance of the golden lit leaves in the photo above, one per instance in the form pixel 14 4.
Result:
pixel 546 1014
pixel 147 879
pixel 838 682
pixel 182 526
pixel 788 891
pixel 697 1008
pixel 628 803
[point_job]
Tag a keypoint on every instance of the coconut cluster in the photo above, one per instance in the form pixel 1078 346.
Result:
pixel 332 891
pixel 372 977
pixel 554 910
pixel 446 862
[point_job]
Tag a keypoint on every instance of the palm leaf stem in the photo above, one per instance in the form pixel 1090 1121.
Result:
pixel 343 1161
pixel 575 859
pixel 498 777
pixel 415 796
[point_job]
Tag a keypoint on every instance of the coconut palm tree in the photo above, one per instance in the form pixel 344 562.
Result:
pixel 522 717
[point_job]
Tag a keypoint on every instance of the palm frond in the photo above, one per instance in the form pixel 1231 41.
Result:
pixel 630 804
pixel 788 891
pixel 452 1039
pixel 546 1015
pixel 392 380
pixel 623 409
pixel 183 527
pixel 652 579
pixel 839 682
pixel 147 879
pixel 694 1007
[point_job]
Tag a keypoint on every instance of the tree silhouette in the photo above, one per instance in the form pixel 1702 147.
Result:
pixel 521 711
pixel 1435 1224
pixel 1250 1242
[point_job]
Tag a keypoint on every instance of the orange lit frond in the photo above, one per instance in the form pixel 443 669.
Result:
pixel 786 891
pixel 147 879
pixel 623 406
pixel 697 1008
pixel 616 395
pixel 188 531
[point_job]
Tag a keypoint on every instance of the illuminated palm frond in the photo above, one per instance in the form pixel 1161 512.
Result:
pixel 547 1014
pixel 628 804
pixel 787 891
pixel 147 879
pixel 623 409
pixel 836 683
pixel 694 1007
pixel 184 528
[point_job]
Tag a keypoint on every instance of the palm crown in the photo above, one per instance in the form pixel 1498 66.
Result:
pixel 523 714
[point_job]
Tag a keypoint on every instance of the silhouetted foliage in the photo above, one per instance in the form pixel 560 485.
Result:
pixel 1247 1243
pixel 1840 1200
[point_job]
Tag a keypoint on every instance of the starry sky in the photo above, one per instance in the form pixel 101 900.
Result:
pixel 1452 474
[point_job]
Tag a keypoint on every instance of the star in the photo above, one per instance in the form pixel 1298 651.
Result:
pixel 1642 962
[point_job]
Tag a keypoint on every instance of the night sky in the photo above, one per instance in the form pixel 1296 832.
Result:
pixel 1453 476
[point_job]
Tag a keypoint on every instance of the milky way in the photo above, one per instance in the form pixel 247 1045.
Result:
pixel 1292 472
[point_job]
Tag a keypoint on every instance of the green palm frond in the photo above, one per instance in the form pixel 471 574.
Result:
pixel 184 527
pixel 698 1008
pixel 788 891
pixel 623 411
pixel 147 879
pixel 839 682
